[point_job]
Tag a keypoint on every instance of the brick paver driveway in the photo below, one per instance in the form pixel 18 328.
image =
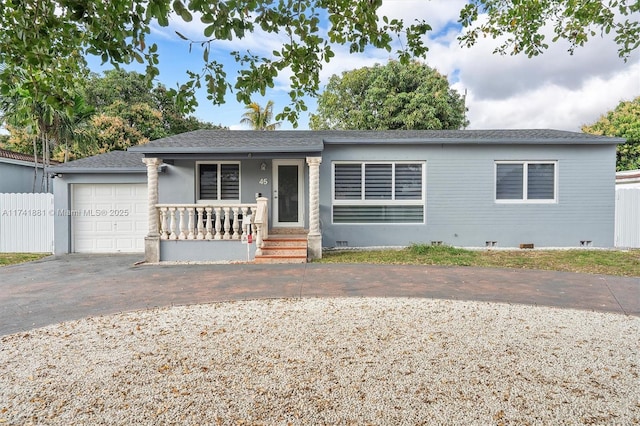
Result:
pixel 70 287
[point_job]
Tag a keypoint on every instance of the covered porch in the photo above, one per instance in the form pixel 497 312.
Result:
pixel 272 216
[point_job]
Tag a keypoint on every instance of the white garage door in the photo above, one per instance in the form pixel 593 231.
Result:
pixel 109 218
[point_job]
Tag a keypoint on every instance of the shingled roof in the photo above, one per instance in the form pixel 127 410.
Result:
pixel 110 162
pixel 306 141
pixel 235 141
pixel 222 142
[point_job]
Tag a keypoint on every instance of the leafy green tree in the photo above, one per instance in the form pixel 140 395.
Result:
pixel 38 32
pixel 140 116
pixel 259 118
pixel 18 140
pixel 522 23
pixel 51 38
pixel 45 124
pixel 623 122
pixel 39 69
pixel 175 120
pixel 121 98
pixel 118 85
pixel 110 133
pixel 388 97
pixel 125 94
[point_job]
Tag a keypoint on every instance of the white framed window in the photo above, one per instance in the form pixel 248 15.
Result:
pixel 378 192
pixel 218 181
pixel 526 181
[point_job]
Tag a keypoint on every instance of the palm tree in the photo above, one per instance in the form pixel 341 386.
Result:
pixel 259 118
pixel 50 124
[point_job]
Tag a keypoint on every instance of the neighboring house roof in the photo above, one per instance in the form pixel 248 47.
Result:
pixel 628 177
pixel 13 157
pixel 290 141
pixel 110 162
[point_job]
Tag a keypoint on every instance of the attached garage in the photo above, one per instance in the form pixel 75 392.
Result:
pixel 101 204
pixel 109 218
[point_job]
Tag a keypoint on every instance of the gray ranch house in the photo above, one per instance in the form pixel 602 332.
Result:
pixel 200 196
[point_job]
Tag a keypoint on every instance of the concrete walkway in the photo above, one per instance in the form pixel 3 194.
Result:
pixel 57 289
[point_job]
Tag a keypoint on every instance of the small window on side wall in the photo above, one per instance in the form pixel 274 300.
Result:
pixel 523 181
pixel 218 181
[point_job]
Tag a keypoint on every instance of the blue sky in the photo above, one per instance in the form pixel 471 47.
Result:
pixel 555 90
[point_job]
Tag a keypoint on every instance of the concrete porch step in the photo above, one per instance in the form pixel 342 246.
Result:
pixel 285 251
pixel 288 231
pixel 280 259
pixel 286 241
pixel 284 246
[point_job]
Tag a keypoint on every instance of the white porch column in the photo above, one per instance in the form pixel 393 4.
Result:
pixel 314 239
pixel 152 240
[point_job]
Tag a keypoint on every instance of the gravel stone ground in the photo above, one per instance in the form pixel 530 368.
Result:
pixel 327 361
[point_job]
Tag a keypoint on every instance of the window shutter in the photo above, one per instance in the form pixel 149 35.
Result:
pixel 509 184
pixel 408 182
pixel 229 182
pixel 378 214
pixel 348 182
pixel 378 193
pixel 377 181
pixel 208 181
pixel 540 184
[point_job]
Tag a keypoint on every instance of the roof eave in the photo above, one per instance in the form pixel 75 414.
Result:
pixel 96 170
pixel 467 141
pixel 20 162
pixel 147 151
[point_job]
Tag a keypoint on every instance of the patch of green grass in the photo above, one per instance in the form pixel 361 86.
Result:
pixel 606 262
pixel 13 258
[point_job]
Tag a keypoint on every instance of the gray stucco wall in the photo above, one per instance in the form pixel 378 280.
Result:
pixel 19 178
pixel 206 251
pixel 178 182
pixel 460 203
pixel 62 201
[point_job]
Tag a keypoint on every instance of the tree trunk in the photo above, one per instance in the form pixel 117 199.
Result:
pixel 35 163
pixel 45 163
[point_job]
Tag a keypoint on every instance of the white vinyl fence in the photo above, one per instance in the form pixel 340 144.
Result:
pixel 628 217
pixel 26 223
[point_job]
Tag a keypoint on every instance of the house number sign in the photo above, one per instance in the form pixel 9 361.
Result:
pixel 264 181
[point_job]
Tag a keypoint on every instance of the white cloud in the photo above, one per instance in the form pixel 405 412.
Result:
pixel 437 13
pixel 554 90
pixel 555 106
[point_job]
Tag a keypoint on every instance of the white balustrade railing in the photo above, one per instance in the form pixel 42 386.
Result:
pixel 205 222
pixel 261 223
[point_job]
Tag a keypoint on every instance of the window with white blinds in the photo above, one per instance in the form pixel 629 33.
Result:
pixel 378 192
pixel 218 181
pixel 525 181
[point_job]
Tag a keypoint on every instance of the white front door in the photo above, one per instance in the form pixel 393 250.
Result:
pixel 288 193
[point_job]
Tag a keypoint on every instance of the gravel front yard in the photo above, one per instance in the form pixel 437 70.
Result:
pixel 327 361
